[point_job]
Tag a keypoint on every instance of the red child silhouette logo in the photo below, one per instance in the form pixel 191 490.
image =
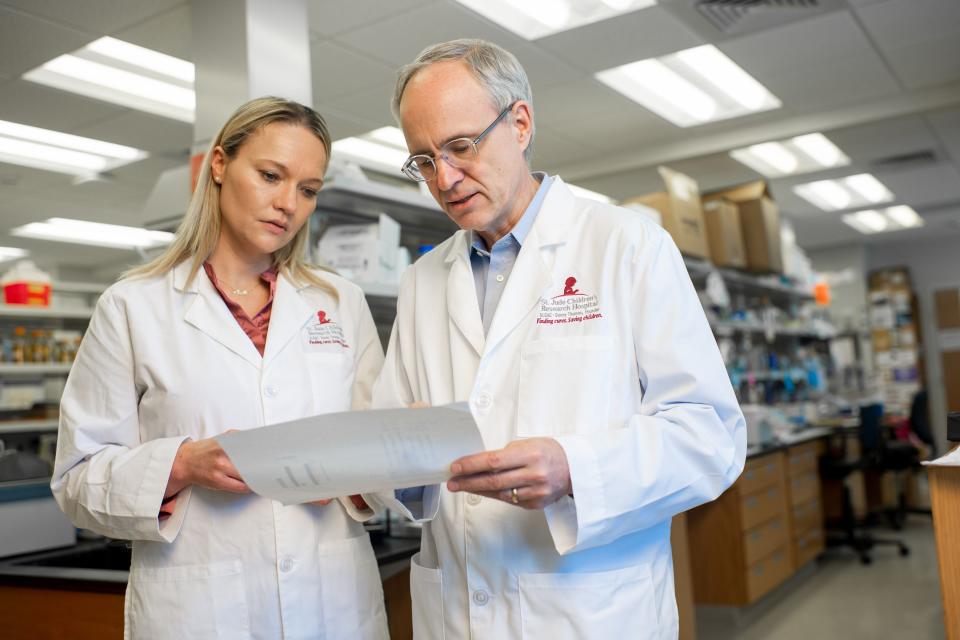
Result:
pixel 322 317
pixel 568 289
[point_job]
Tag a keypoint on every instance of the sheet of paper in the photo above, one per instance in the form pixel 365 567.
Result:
pixel 339 454
pixel 951 459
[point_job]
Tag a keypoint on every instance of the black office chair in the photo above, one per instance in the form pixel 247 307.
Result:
pixel 875 454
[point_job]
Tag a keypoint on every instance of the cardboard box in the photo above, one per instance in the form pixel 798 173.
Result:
pixel 760 221
pixel 882 340
pixel 724 233
pixel 681 213
pixel 890 278
pixel 364 253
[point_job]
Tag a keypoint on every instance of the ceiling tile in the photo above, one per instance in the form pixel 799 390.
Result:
pixel 96 16
pixel 331 17
pixel 551 149
pixel 885 138
pixel 898 23
pixel 372 105
pixel 811 44
pixel 638 35
pixel 40 106
pixel 344 125
pixel 27 42
pixel 338 71
pixel 946 124
pixel 145 131
pixel 169 33
pixel 429 25
pixel 927 63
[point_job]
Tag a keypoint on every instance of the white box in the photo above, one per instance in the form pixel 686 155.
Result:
pixel 362 252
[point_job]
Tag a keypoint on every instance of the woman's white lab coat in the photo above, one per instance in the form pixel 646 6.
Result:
pixel 162 362
pixel 598 341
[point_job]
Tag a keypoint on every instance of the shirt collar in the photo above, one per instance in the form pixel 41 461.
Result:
pixel 522 228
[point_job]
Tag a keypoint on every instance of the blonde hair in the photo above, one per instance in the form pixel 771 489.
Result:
pixel 199 231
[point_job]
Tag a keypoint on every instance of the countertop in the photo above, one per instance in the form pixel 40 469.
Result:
pixel 21 571
pixel 785 442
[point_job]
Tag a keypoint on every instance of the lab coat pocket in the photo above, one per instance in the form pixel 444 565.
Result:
pixel 564 385
pixel 192 601
pixel 426 592
pixel 574 606
pixel 351 596
pixel 331 376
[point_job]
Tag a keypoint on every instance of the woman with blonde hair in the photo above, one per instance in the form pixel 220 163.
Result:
pixel 229 328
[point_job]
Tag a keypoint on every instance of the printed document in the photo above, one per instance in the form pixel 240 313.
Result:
pixel 339 454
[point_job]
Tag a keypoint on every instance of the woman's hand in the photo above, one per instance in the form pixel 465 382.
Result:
pixel 204 463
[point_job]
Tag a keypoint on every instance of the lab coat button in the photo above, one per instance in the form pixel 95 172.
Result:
pixel 483 400
pixel 286 565
pixel 473 499
pixel 481 597
pixel 271 392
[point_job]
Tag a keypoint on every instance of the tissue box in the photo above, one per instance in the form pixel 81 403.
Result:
pixel 35 294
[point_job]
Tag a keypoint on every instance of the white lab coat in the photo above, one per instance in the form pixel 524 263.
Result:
pixel 638 397
pixel 162 362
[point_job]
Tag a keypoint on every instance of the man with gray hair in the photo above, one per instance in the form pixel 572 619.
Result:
pixel 573 331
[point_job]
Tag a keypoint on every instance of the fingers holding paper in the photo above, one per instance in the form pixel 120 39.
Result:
pixel 532 473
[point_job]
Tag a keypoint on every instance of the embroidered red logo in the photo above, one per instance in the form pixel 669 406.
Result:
pixel 322 317
pixel 325 331
pixel 573 305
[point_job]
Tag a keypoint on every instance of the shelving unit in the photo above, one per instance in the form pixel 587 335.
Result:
pixel 17 312
pixel 33 369
pixel 28 426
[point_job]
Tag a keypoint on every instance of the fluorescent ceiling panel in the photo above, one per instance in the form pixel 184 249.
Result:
pixel 61 152
pixel 12 253
pixel 383 150
pixel 872 221
pixel 93 233
pixel 861 190
pixel 802 154
pixel 532 19
pixel 691 87
pixel 126 74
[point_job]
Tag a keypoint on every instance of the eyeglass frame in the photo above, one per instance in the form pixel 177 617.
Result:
pixel 405 169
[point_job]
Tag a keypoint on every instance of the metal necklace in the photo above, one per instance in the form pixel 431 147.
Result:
pixel 236 291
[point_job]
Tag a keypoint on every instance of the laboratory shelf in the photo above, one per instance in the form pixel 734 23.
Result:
pixel 78 287
pixel 741 281
pixel 32 368
pixel 68 313
pixel 368 199
pixel 728 327
pixel 379 289
pixel 28 426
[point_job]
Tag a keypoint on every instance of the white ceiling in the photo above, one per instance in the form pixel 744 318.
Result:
pixel 879 77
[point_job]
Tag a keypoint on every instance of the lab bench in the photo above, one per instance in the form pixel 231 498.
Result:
pixel 763 529
pixel 77 592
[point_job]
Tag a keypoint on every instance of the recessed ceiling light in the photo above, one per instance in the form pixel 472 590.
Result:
pixel 691 87
pixel 93 233
pixel 12 253
pixel 588 194
pixel 61 152
pixel 885 220
pixel 802 154
pixel 122 73
pixel 532 19
pixel 853 191
pixel 382 149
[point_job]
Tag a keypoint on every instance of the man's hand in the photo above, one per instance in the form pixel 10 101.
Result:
pixel 536 467
pixel 204 463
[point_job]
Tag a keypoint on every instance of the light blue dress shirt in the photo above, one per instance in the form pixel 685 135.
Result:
pixel 492 267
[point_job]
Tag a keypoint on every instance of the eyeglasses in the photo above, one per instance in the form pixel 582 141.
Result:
pixel 458 153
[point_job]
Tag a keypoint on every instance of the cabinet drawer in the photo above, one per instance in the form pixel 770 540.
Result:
pixel 767 573
pixel 804 488
pixel 764 538
pixel 802 458
pixel 760 506
pixel 808 546
pixel 807 516
pixel 760 472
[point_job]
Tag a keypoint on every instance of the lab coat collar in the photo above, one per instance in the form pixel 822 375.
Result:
pixel 208 313
pixel 289 314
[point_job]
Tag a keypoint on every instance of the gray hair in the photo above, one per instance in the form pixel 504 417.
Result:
pixel 494 67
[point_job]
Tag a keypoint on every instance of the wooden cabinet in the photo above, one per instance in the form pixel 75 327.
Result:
pixel 764 527
pixel 806 514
